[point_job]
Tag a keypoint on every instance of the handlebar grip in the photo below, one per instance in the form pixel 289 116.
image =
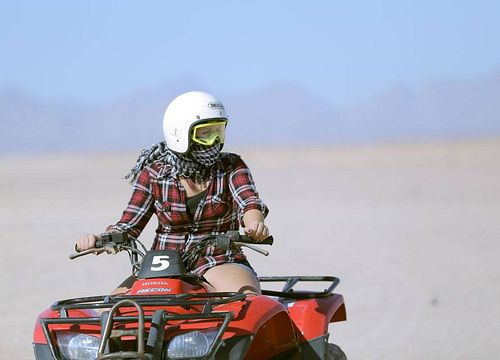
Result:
pixel 99 243
pixel 116 237
pixel 248 240
pixel 74 256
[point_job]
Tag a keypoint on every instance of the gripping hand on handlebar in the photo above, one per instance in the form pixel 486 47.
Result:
pixel 110 242
pixel 255 227
pixel 86 242
pixel 90 241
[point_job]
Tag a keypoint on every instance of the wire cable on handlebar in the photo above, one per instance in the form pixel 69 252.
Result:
pixel 135 255
pixel 142 245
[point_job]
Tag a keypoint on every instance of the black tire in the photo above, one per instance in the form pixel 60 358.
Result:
pixel 334 352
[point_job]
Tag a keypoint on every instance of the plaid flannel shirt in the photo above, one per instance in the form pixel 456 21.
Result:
pixel 230 194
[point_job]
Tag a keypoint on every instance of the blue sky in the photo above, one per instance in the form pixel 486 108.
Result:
pixel 92 52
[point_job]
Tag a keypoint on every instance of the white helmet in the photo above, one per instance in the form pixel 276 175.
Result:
pixel 186 111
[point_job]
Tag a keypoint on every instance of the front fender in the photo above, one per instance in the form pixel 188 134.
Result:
pixel 269 324
pixel 312 316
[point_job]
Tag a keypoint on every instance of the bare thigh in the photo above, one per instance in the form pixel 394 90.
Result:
pixel 232 278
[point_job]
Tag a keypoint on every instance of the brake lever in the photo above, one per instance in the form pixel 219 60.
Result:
pixel 253 247
pixel 110 248
pixel 86 252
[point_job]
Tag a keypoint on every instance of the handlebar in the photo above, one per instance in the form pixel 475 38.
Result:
pixel 245 239
pixel 248 242
pixel 115 242
pixel 118 238
pixel 111 243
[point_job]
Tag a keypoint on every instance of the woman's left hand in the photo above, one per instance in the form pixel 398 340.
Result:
pixel 257 230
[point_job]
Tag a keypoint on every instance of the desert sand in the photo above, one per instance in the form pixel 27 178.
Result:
pixel 412 231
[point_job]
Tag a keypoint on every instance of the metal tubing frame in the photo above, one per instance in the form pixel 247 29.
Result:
pixel 140 354
pixel 106 301
pixel 210 299
pixel 291 281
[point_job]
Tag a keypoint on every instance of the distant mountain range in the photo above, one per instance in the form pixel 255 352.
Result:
pixel 281 113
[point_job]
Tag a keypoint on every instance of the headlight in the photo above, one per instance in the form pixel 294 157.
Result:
pixel 76 346
pixel 191 345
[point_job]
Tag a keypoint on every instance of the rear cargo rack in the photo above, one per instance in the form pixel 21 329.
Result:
pixel 152 347
pixel 288 291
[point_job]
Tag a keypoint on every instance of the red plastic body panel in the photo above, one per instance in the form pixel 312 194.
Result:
pixel 39 336
pixel 312 316
pixel 163 286
pixel 254 314
pixel 274 337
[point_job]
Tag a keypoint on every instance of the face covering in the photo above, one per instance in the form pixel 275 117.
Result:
pixel 205 155
pixel 195 165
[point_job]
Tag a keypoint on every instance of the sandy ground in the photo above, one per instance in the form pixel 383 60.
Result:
pixel 411 230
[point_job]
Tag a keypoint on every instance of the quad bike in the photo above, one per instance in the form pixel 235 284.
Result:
pixel 169 314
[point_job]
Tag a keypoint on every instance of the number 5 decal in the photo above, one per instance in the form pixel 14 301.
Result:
pixel 160 263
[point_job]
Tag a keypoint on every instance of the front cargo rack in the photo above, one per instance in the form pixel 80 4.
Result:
pixel 184 300
pixel 151 348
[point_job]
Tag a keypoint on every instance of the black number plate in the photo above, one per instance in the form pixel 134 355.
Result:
pixel 161 263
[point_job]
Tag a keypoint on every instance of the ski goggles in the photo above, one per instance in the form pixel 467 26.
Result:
pixel 208 133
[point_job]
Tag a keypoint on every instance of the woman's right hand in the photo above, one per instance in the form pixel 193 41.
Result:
pixel 85 242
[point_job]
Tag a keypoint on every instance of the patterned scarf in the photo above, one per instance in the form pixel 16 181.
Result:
pixel 196 164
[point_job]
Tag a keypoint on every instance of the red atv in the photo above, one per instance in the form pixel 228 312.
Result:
pixel 168 313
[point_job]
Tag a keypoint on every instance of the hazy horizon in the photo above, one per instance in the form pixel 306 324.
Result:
pixel 281 113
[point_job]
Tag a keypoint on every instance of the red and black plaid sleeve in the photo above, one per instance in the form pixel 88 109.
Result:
pixel 140 208
pixel 243 189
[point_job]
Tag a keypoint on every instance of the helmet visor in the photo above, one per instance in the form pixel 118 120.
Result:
pixel 208 133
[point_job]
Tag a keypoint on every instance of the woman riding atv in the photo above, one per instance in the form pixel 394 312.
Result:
pixel 195 190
